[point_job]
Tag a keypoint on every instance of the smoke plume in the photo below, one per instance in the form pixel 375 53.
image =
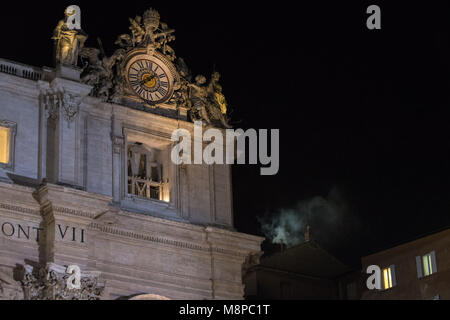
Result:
pixel 329 219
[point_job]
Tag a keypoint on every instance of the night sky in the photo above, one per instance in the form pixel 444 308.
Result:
pixel 359 111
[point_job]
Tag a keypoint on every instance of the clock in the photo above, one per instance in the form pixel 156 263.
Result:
pixel 150 78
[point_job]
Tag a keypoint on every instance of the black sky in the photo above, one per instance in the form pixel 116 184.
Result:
pixel 364 111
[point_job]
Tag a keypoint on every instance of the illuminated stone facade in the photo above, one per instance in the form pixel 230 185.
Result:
pixel 90 183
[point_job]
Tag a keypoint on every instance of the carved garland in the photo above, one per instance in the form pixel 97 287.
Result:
pixel 50 283
pixel 55 100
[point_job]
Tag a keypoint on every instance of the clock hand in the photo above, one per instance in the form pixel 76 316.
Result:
pixel 146 80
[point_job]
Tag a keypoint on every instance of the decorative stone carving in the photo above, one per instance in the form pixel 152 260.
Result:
pixel 9 288
pixel 68 43
pixel 148 32
pixel 50 283
pixel 70 105
pixel 105 74
pixel 55 100
pixel 101 73
pixel 204 101
pixel 215 92
pixel 207 103
pixel 49 100
pixel 118 143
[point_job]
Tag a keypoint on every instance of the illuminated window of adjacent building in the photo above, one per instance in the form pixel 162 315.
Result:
pixel 7 134
pixel 388 277
pixel 426 264
pixel 5 142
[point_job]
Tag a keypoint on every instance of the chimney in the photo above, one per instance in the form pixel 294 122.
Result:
pixel 308 235
pixel 282 246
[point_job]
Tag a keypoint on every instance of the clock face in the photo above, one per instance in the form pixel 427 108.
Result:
pixel 150 79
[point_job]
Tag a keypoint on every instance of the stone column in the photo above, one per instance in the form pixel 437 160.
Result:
pixel 119 158
pixel 66 136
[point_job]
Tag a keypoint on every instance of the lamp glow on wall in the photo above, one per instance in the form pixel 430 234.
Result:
pixel 166 197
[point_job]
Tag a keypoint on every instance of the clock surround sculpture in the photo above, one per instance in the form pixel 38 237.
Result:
pixel 144 73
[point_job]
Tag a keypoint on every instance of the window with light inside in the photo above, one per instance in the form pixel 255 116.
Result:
pixel 426 264
pixel 387 278
pixel 5 140
pixel 145 172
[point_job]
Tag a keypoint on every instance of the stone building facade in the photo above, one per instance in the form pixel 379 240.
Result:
pixel 414 270
pixel 303 272
pixel 86 178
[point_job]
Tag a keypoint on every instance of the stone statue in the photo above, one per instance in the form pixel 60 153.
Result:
pixel 207 102
pixel 215 92
pixel 68 43
pixel 198 99
pixel 148 31
pixel 101 73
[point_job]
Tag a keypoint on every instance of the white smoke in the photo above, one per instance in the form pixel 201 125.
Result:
pixel 328 218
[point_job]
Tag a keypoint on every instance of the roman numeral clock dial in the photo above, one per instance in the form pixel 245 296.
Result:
pixel 150 79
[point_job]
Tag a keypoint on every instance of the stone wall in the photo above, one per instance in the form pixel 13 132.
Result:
pixel 408 285
pixel 65 201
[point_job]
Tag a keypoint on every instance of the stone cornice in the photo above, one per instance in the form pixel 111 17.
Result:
pixel 240 253
pixel 146 237
pixel 242 236
pixel 21 209
pixel 52 188
pixel 208 240
pixel 161 221
pixel 123 113
pixel 71 212
pixel 16 187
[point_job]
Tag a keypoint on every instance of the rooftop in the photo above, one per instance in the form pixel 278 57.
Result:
pixel 308 259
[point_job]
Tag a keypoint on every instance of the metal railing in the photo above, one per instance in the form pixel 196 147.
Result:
pixel 145 188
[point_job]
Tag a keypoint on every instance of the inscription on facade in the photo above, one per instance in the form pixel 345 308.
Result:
pixel 34 233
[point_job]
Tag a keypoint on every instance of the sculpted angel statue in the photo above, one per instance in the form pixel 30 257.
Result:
pixel 198 99
pixel 100 70
pixel 208 102
pixel 68 42
pixel 215 92
pixel 96 73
